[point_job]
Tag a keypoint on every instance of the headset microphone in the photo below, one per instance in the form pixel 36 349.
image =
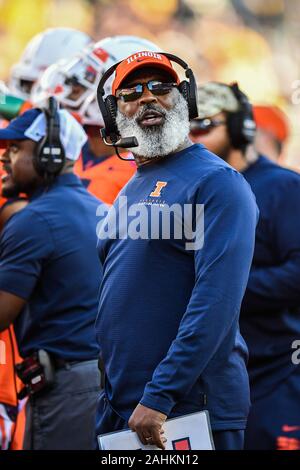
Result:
pixel 125 142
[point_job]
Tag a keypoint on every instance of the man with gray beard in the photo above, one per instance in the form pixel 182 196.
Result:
pixel 169 309
pixel 173 134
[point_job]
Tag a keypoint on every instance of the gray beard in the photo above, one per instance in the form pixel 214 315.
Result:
pixel 157 141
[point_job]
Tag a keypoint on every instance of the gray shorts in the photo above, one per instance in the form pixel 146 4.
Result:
pixel 63 418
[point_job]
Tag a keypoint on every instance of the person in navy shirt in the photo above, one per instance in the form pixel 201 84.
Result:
pixel 169 307
pixel 49 281
pixel 270 319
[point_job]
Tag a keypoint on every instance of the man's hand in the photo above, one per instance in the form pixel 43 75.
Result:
pixel 147 423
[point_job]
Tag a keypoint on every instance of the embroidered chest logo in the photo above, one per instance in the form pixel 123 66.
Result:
pixel 158 188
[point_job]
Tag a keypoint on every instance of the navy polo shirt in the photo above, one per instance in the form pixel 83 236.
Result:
pixel 270 314
pixel 48 257
pixel 168 317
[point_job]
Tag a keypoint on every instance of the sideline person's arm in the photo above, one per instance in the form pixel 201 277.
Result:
pixel 221 274
pixel 25 243
pixel 10 307
pixel 10 208
pixel 271 288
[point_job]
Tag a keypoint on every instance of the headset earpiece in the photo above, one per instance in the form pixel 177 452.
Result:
pixel 108 107
pixel 112 107
pixel 191 93
pixel 183 87
pixel 241 124
pixel 49 157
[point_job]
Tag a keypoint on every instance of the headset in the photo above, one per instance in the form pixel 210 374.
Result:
pixel 49 157
pixel 241 124
pixel 108 105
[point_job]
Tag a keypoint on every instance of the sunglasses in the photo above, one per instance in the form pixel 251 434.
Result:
pixel 156 87
pixel 204 126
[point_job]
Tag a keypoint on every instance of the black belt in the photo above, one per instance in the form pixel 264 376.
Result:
pixel 60 363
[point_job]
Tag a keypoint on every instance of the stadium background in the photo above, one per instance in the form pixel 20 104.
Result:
pixel 253 42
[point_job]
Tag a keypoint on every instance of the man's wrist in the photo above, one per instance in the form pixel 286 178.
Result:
pixel 157 403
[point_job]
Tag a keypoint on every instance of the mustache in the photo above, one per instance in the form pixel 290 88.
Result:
pixel 149 107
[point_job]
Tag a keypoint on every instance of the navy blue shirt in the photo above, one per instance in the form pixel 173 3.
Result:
pixel 270 315
pixel 168 316
pixel 48 257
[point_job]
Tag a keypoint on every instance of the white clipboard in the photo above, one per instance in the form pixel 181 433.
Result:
pixel 189 432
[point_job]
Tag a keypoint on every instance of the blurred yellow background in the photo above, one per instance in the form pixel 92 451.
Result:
pixel 253 42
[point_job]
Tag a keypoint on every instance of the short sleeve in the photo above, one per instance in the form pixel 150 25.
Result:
pixel 25 244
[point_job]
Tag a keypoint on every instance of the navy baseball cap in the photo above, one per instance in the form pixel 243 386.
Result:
pixel 18 126
pixel 32 126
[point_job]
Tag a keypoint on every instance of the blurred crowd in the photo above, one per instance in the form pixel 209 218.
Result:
pixel 258 45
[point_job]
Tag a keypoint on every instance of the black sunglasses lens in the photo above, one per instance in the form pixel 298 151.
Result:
pixel 131 96
pixel 160 88
pixel 204 126
pixel 157 88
